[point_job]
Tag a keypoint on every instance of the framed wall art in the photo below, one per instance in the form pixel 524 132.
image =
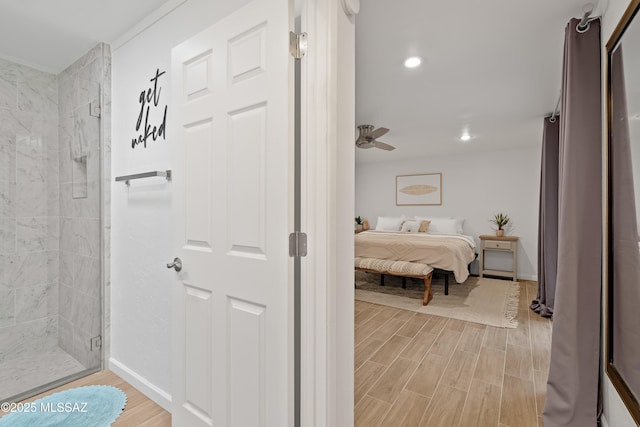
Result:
pixel 424 189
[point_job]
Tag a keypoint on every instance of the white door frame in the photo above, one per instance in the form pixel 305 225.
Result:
pixel 327 207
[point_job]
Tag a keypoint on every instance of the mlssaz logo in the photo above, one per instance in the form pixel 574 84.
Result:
pixel 150 98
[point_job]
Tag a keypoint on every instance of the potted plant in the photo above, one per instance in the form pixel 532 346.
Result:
pixel 358 223
pixel 500 220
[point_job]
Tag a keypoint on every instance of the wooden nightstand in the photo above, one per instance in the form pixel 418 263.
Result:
pixel 501 244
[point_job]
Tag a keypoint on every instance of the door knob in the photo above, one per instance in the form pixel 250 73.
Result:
pixel 176 264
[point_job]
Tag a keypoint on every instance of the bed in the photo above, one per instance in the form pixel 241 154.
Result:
pixel 449 252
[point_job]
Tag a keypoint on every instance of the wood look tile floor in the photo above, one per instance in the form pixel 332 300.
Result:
pixel 413 369
pixel 140 411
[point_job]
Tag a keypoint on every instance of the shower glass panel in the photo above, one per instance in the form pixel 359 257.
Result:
pixel 51 225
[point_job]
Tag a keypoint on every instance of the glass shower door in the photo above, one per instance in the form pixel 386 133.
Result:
pixel 51 228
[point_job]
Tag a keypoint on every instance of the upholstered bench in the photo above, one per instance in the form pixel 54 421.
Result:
pixel 399 268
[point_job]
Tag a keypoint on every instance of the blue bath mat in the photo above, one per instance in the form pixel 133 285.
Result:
pixel 90 406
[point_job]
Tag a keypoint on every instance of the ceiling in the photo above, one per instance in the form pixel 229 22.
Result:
pixel 492 67
pixel 51 35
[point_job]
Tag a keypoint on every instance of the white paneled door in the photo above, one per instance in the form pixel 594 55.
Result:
pixel 233 201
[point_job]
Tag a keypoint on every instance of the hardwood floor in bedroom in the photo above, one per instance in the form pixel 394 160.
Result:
pixel 413 369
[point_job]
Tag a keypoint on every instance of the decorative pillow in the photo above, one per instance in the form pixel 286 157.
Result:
pixel 444 225
pixel 424 226
pixel 412 226
pixel 389 223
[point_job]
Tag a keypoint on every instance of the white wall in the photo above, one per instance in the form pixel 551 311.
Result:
pixel 142 223
pixel 474 187
pixel 615 413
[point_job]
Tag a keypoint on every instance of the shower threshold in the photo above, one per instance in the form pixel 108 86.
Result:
pixel 30 375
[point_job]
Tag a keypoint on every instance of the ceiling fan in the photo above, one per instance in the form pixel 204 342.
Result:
pixel 368 138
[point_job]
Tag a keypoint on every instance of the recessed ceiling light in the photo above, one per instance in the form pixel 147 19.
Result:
pixel 412 62
pixel 465 137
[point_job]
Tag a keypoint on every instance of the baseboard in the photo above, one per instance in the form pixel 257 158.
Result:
pixel 150 390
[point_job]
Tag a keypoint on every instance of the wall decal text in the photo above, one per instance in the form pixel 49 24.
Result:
pixel 150 98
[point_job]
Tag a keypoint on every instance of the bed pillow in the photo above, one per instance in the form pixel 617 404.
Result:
pixel 389 223
pixel 444 225
pixel 459 224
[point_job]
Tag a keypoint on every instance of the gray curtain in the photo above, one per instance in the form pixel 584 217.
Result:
pixel 624 235
pixel 573 383
pixel 548 219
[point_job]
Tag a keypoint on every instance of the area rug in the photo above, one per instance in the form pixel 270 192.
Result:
pixel 481 300
pixel 90 406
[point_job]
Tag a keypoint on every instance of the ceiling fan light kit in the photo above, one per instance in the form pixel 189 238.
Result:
pixel 368 138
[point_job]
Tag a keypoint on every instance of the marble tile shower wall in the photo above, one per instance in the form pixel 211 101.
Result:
pixel 50 228
pixel 80 228
pixel 29 205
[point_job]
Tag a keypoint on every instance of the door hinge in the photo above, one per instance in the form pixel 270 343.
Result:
pixel 297 244
pixel 297 44
pixel 96 343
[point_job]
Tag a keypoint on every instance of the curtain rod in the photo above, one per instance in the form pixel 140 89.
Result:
pixel 552 119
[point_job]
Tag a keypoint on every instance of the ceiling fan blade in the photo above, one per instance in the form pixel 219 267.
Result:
pixel 384 146
pixel 378 133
